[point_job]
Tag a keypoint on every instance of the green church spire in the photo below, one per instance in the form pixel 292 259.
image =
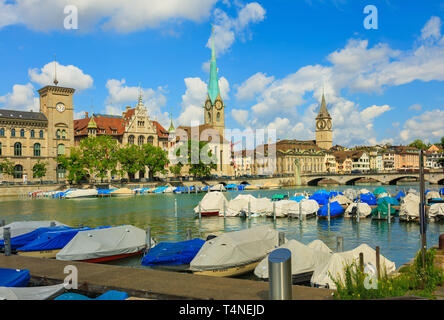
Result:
pixel 213 86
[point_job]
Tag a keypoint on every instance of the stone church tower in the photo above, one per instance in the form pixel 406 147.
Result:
pixel 214 108
pixel 324 133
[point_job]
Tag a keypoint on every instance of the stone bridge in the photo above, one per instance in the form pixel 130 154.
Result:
pixel 340 179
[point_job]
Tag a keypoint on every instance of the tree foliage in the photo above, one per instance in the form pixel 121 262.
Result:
pixel 199 157
pixel 39 169
pixel 155 159
pixel 7 167
pixel 419 144
pixel 130 158
pixel 75 165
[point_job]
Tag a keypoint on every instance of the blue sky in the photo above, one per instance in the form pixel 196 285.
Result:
pixel 275 58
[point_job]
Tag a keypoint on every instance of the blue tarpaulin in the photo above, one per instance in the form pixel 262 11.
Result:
pixel 400 195
pixel 320 198
pixel 53 240
pixel 333 194
pixel 110 295
pixel 14 277
pixel 335 210
pixel 297 198
pixel 172 254
pixel 26 238
pixel 369 199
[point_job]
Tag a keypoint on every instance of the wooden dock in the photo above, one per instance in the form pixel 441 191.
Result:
pixel 152 284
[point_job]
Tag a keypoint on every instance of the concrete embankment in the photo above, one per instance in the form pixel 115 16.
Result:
pixel 152 284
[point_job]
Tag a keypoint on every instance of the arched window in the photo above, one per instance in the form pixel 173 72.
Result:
pixel 18 171
pixel 13 132
pixel 22 133
pixel 141 140
pixel 41 134
pixel 63 134
pixel 37 150
pixel 58 134
pixel 2 132
pixel 218 117
pixel 131 139
pixel 60 149
pixel 150 140
pixel 17 149
pixel 32 133
pixel 209 117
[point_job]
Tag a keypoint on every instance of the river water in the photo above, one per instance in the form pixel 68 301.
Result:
pixel 398 241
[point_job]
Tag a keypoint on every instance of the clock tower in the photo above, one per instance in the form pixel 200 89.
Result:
pixel 214 108
pixel 324 133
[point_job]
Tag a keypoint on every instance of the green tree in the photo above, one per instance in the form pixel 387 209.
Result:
pixel 155 159
pixel 39 170
pixel 75 164
pixel 195 151
pixel 7 167
pixel 130 158
pixel 176 169
pixel 419 144
pixel 100 155
pixel 442 142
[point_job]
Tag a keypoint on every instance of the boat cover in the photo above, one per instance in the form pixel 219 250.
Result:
pixel 333 194
pixel 335 265
pixel 288 207
pixel 303 259
pixel 21 227
pixel 99 243
pixel 433 195
pixel 320 198
pixel 364 191
pixel 251 187
pixel 352 194
pixel 391 200
pixel 53 240
pixel 436 209
pixel 369 199
pixel 341 199
pixel 110 295
pixel 335 210
pixel 31 293
pixel 297 198
pixel 363 209
pixel 172 254
pixel 382 209
pixel 379 190
pixel 410 206
pixel 238 205
pixel 81 193
pixel 400 195
pixel 26 238
pixel 212 202
pixel 236 248
pixel 320 246
pixel 122 191
pixel 14 277
pixel 382 195
pixel 217 187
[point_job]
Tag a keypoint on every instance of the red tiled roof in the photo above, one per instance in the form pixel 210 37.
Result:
pixel 109 124
pixel 161 132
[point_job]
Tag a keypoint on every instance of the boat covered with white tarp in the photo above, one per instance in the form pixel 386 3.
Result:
pixel 437 211
pixel 238 205
pixel 334 267
pixel 306 207
pixel 353 209
pixel 432 195
pixel 23 227
pixel 31 293
pixel 213 203
pixel 122 192
pixel 409 209
pixel 217 187
pixel 235 253
pixel 106 244
pixel 341 199
pixel 304 260
pixel 81 193
pixel 351 194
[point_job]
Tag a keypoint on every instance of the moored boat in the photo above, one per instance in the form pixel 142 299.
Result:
pixel 212 204
pixel 122 192
pixel 31 293
pixel 81 193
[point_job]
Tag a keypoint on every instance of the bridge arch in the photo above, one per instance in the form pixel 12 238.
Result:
pixel 315 181
pixel 353 180
pixel 222 183
pixel 441 182
pixel 245 182
pixel 395 180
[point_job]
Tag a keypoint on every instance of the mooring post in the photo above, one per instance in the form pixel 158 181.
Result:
pixel 361 261
pixel 225 209
pixel 281 238
pixel 148 238
pixel 378 262
pixel 328 210
pixel 279 274
pixel 358 213
pixel 175 206
pixel 249 208
pixel 200 212
pixel 339 244
pixel 274 210
pixel 7 240
pixel 300 210
pixel 441 242
pixel 189 235
pixel 2 223
pixel 389 213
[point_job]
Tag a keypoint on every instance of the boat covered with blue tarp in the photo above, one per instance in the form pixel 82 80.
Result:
pixel 297 198
pixel 369 199
pixel 172 254
pixel 400 195
pixel 110 295
pixel 320 197
pixel 336 210
pixel 26 238
pixel 14 277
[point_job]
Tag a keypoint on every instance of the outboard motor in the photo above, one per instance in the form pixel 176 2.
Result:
pixel 210 236
pixel 354 211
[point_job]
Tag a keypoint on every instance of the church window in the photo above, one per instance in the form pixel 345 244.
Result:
pixel 58 134
pixel 218 117
pixel 150 140
pixel 63 134
pixel 141 140
pixel 209 116
pixel 131 139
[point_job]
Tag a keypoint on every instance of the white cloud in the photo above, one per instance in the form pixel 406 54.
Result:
pixel 226 29
pixel 241 116
pixel 427 126
pixel 252 86
pixel 21 98
pixel 415 107
pixel 67 76
pixel 432 29
pixel 117 15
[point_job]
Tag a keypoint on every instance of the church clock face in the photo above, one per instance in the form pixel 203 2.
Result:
pixel 208 105
pixel 321 124
pixel 60 107
pixel 218 105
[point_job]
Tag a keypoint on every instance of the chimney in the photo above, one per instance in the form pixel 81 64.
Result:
pixel 86 114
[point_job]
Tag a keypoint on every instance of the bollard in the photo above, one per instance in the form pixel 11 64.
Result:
pixel 441 242
pixel 249 209
pixel 225 209
pixel 7 240
pixel 52 224
pixel 3 223
pixel 274 210
pixel 200 212
pixel 358 213
pixel 328 210
pixel 361 261
pixel 388 214
pixel 195 189
pixel 148 238
pixel 281 238
pixel 189 235
pixel 279 274
pixel 378 261
pixel 189 190
pixel 175 206
pixel 339 244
